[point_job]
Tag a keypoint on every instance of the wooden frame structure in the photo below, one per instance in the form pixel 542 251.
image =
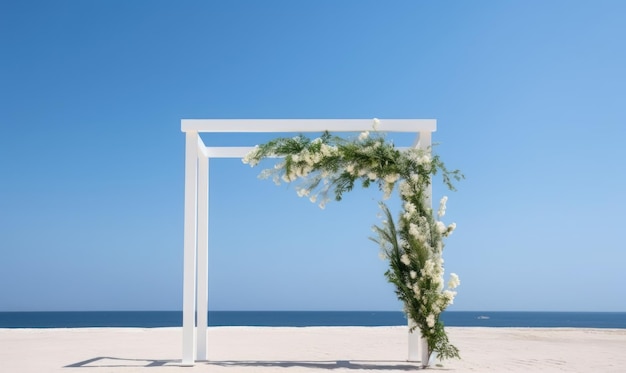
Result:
pixel 196 216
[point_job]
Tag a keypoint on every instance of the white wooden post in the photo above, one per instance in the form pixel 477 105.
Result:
pixel 190 242
pixel 424 142
pixel 414 342
pixel 203 254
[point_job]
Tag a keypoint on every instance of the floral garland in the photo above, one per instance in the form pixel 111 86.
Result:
pixel 331 164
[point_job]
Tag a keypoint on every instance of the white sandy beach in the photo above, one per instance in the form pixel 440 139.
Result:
pixel 310 349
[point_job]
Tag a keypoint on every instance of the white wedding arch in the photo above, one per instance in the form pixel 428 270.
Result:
pixel 196 216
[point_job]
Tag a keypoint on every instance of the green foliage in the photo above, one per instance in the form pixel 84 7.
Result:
pixel 414 246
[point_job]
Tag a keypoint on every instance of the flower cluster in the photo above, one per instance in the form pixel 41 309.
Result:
pixel 330 164
pixel 415 250
pixel 333 165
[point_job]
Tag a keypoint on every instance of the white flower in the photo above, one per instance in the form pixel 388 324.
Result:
pixel 441 227
pixel 442 207
pixel 448 296
pixel 250 157
pixel 327 151
pixel 303 192
pixel 405 259
pixel 371 175
pixel 429 269
pixel 413 275
pixel 364 135
pixel 291 176
pixel 387 189
pixel 416 291
pixel 414 231
pixel 413 154
pixel 439 261
pixel 436 310
pixel 392 178
pixel 265 174
pixel 405 189
pixel 409 209
pixel 313 198
pixel 430 320
pixel 308 158
pixel 454 281
pixel 451 228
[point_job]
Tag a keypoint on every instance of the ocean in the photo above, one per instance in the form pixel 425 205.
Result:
pixel 151 319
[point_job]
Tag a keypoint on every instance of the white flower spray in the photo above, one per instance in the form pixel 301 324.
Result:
pixel 414 248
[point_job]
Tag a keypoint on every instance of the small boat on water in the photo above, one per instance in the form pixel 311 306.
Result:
pixel 483 317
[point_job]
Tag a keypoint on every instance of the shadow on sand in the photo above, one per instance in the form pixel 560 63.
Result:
pixel 116 362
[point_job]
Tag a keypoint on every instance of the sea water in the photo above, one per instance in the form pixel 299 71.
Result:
pixel 150 319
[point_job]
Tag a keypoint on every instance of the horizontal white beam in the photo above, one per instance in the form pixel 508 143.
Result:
pixel 238 152
pixel 306 125
pixel 228 152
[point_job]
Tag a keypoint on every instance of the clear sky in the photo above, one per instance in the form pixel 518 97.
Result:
pixel 530 99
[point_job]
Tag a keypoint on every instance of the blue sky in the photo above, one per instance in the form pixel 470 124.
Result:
pixel 529 98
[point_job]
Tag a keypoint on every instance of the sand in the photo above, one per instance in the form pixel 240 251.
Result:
pixel 310 349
